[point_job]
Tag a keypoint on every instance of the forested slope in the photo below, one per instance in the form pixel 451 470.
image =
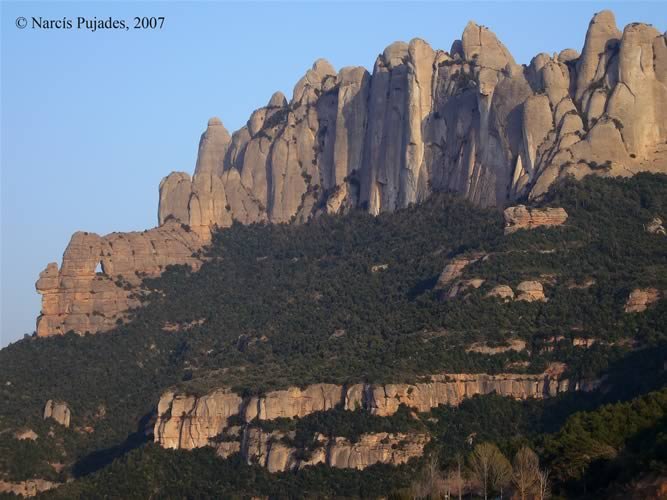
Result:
pixel 348 299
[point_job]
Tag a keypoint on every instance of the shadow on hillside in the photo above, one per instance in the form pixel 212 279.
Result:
pixel 101 458
pixel 423 286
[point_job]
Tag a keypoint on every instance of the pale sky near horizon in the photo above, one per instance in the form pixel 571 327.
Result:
pixel 91 122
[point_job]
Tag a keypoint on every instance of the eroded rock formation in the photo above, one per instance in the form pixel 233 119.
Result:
pixel 382 447
pixel 92 290
pixel 530 291
pixel 293 402
pixel 463 285
pixel 186 421
pixel 503 292
pixel 469 121
pixel 26 434
pixel 640 299
pixel 512 345
pixel 454 269
pixel 58 411
pixel 527 291
pixel 520 217
pixel 274 451
pixel 656 227
pixel 28 488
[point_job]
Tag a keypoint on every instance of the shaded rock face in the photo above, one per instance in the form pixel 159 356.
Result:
pixel 470 121
pixel 270 450
pixel 641 298
pixel 187 422
pixel 463 285
pixel 58 411
pixel 448 280
pixel 78 297
pixel 520 217
pixel 454 269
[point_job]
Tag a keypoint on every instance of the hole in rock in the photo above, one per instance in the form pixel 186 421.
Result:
pixel 100 268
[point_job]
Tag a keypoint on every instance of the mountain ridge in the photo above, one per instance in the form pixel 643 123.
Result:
pixel 469 121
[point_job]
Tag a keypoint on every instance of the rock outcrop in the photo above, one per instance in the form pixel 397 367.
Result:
pixel 293 402
pixel 530 291
pixel 469 121
pixel 454 269
pixel 640 299
pixel 513 345
pixel 26 434
pixel 186 421
pixel 58 411
pixel 656 227
pixel 92 290
pixel 503 292
pixel 520 217
pixel 463 285
pixel 382 447
pixel 273 451
pixel 28 488
pixel 527 291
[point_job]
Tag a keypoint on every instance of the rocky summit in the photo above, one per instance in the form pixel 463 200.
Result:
pixel 469 121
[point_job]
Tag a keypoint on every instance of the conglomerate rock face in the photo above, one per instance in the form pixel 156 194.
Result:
pixel 520 217
pixel 78 297
pixel 58 411
pixel 270 450
pixel 188 421
pixel 469 121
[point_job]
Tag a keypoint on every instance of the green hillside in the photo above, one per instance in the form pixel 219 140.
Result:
pixel 347 299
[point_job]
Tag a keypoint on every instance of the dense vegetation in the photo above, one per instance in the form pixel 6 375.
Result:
pixel 153 472
pixel 286 304
pixel 613 443
pixel 628 437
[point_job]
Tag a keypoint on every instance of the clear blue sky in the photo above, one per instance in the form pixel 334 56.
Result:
pixel 91 122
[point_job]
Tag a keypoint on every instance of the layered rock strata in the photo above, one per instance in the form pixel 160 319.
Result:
pixel 520 217
pixel 187 421
pixel 469 121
